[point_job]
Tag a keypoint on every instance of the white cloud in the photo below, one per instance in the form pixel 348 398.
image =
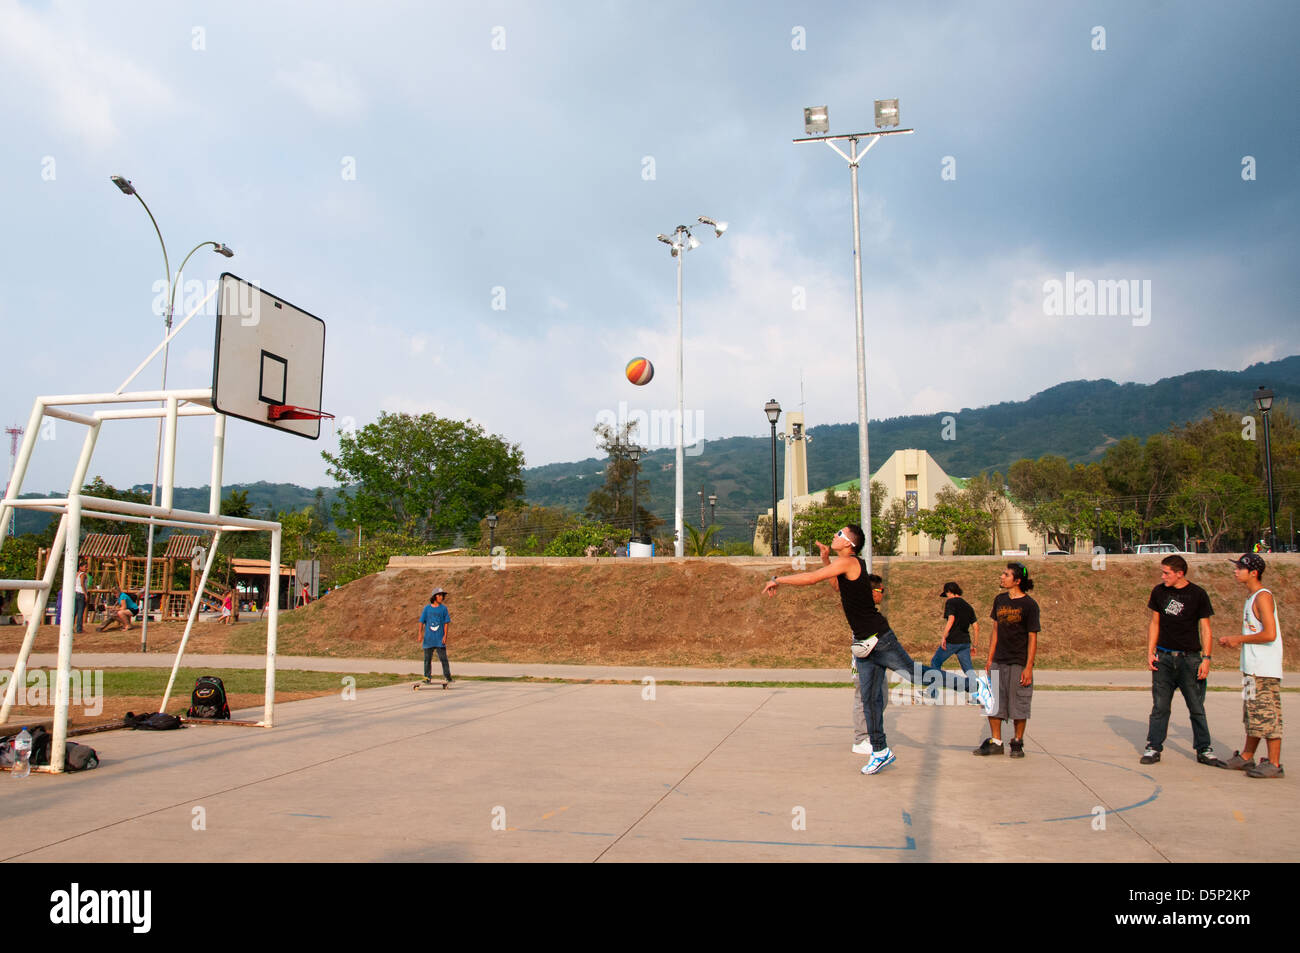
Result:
pixel 324 88
pixel 82 85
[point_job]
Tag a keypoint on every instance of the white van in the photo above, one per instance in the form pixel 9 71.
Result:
pixel 1157 549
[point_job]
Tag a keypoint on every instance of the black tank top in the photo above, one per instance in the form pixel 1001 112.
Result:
pixel 859 607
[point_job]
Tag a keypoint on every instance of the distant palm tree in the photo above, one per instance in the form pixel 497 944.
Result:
pixel 698 545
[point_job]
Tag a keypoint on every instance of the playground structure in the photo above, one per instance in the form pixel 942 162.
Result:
pixel 111 569
pixel 267 367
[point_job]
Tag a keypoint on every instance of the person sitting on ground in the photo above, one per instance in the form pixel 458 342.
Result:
pixel 121 612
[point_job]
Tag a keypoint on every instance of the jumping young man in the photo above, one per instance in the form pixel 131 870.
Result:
pixel 876 647
pixel 1178 653
pixel 1261 671
pixel 1010 666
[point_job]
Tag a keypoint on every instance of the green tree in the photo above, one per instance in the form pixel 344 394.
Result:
pixel 575 542
pixel 526 530
pixel 699 543
pixel 612 502
pixel 424 475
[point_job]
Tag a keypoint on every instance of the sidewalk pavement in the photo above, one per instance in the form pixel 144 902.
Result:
pixel 712 676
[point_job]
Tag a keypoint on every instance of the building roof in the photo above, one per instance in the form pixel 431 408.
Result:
pixel 257 567
pixel 182 547
pixel 104 545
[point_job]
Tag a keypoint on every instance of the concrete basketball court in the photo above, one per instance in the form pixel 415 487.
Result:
pixel 583 772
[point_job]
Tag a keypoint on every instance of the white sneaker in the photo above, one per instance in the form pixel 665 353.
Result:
pixel 983 694
pixel 879 759
pixel 862 747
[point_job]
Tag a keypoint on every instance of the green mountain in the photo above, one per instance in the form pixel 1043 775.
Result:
pixel 1077 420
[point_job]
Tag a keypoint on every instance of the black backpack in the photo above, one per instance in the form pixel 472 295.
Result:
pixel 157 721
pixel 208 700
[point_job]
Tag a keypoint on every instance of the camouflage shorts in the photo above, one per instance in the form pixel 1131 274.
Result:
pixel 1262 706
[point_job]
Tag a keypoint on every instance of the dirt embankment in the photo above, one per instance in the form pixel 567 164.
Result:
pixel 710 613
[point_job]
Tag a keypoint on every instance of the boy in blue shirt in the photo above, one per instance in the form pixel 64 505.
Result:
pixel 434 621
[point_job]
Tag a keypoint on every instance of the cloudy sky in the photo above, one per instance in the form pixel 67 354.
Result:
pixel 468 194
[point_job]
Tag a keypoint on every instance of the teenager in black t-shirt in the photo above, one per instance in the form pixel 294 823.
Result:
pixel 1010 665
pixel 956 638
pixel 1178 653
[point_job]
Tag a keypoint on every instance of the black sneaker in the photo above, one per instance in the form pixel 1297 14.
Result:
pixel 1207 757
pixel 1017 749
pixel 989 746
pixel 1150 756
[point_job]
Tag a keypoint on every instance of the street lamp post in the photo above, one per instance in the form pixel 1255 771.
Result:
pixel 817 125
pixel 682 241
pixel 492 531
pixel 713 504
pixel 221 249
pixel 1264 401
pixel 773 411
pixel 634 454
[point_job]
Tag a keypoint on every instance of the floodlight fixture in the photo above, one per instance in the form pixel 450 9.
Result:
pixel 816 120
pixel 886 113
pixel 665 239
pixel 691 241
pixel 225 250
pixel 123 184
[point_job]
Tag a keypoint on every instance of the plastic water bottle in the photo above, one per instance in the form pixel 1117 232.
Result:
pixel 22 754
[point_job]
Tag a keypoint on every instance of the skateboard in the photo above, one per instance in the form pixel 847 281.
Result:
pixel 428 685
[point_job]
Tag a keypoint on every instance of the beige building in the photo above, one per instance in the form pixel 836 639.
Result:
pixel 914 477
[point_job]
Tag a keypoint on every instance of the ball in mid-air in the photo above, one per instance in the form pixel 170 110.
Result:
pixel 640 371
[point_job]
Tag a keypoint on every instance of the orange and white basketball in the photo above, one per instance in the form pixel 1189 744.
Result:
pixel 640 371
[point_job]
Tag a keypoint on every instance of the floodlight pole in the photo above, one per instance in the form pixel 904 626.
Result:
pixel 681 242
pixel 864 460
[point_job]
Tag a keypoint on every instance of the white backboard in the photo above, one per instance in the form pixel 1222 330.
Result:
pixel 267 353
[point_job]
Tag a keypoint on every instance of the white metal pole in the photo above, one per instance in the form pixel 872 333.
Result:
pixel 864 460
pixel 789 493
pixel 218 461
pixel 189 623
pixel 272 626
pixel 66 623
pixel 19 676
pixel 679 548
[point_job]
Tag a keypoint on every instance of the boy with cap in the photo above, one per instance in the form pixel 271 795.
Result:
pixel 956 638
pixel 434 621
pixel 1261 669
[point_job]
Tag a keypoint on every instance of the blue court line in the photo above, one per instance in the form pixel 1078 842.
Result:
pixel 911 844
pixel 325 816
pixel 545 830
pixel 1089 816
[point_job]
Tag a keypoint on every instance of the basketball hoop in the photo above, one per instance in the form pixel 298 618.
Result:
pixel 289 412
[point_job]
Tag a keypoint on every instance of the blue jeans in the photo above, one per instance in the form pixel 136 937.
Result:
pixel 890 654
pixel 871 693
pixel 442 657
pixel 959 649
pixel 1177 671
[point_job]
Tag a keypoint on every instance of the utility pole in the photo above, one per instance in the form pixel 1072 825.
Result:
pixel 14 433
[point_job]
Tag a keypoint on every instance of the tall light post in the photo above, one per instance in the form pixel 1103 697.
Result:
pixel 634 454
pixel 817 125
pixel 790 440
pixel 773 411
pixel 681 241
pixel 492 531
pixel 713 505
pixel 1264 401
pixel 221 249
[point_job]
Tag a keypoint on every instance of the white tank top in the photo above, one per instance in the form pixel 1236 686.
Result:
pixel 1260 658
